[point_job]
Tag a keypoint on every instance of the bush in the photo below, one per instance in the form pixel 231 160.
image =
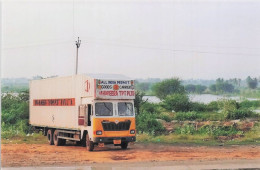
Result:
pixel 219 130
pixel 212 106
pixel 249 104
pixel 146 122
pixel 166 116
pixel 185 130
pixel 168 87
pixel 15 114
pixel 228 106
pixel 240 114
pixel 177 102
pixel 210 130
pixel 149 107
pixel 181 116
pixel 198 107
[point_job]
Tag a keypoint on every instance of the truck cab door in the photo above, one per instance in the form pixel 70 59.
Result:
pixel 83 118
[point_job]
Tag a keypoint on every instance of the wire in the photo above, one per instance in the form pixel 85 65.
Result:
pixel 37 44
pixel 131 46
pixel 174 50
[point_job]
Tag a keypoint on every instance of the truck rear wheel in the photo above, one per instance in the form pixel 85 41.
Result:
pixel 124 145
pixel 63 142
pixel 56 140
pixel 90 144
pixel 50 136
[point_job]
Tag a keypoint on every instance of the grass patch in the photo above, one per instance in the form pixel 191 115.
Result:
pixel 35 138
pixel 177 139
pixel 205 140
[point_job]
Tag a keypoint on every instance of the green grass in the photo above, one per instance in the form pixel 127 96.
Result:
pixel 250 93
pixel 249 138
pixel 178 139
pixel 36 138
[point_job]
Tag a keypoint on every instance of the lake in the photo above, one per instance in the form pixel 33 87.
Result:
pixel 202 98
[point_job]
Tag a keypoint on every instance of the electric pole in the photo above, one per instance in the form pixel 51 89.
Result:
pixel 78 45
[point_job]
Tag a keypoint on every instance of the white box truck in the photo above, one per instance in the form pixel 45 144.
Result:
pixel 91 110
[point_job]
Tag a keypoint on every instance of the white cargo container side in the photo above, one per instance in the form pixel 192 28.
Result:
pixel 57 88
pixel 80 87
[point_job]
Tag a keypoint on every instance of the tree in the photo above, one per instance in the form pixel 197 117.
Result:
pixel 213 88
pixel 251 83
pixel 223 86
pixel 168 87
pixel 190 88
pixel 200 89
pixel 177 102
pixel 143 86
pixel 138 101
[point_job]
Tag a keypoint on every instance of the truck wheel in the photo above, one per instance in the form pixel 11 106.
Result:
pixel 50 136
pixel 56 140
pixel 63 142
pixel 90 144
pixel 79 143
pixel 124 145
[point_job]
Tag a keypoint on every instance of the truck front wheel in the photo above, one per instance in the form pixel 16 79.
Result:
pixel 124 145
pixel 90 144
pixel 50 136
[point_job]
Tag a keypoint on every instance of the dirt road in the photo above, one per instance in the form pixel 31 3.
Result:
pixel 14 155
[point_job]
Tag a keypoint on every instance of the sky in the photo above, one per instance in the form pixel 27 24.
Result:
pixel 141 39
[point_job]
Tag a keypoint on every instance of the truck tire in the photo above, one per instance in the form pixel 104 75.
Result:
pixel 56 140
pixel 63 142
pixel 90 144
pixel 50 136
pixel 124 145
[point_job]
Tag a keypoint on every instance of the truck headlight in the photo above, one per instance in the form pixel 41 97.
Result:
pixel 132 131
pixel 99 132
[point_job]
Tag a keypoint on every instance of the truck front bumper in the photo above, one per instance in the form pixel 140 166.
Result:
pixel 109 140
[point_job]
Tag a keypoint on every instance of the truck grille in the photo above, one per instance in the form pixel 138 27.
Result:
pixel 120 126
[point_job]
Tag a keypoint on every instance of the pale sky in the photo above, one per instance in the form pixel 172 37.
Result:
pixel 139 39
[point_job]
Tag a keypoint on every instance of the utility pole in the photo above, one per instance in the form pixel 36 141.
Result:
pixel 78 45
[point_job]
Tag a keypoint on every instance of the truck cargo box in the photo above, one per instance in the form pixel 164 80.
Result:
pixel 54 102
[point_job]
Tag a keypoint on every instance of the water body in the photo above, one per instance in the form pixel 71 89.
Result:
pixel 202 98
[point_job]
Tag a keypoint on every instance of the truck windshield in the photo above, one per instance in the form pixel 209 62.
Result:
pixel 125 109
pixel 104 109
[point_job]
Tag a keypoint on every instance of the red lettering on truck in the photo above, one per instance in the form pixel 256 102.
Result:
pixel 54 102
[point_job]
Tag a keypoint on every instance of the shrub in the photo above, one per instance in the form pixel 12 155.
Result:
pixel 149 107
pixel 240 114
pixel 249 104
pixel 177 102
pixel 212 106
pixel 228 107
pixel 199 107
pixel 181 116
pixel 146 122
pixel 168 87
pixel 185 130
pixel 166 116
pixel 15 114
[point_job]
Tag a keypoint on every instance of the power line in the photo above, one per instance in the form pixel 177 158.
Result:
pixel 131 46
pixel 36 44
pixel 176 50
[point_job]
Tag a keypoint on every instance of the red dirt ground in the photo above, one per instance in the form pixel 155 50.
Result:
pixel 14 155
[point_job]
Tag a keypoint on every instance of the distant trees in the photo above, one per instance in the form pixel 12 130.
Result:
pixel 222 86
pixel 190 88
pixel 144 87
pixel 168 87
pixel 251 82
